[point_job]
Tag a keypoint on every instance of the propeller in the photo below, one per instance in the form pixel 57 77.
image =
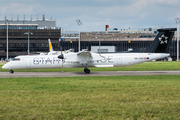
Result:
pixel 61 56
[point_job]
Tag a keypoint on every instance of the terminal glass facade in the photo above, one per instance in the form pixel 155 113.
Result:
pixel 18 27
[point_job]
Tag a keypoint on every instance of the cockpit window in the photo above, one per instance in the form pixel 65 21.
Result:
pixel 16 59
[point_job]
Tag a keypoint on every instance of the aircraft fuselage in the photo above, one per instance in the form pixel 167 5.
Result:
pixel 71 61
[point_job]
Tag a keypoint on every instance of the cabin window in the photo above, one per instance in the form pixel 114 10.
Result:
pixel 16 59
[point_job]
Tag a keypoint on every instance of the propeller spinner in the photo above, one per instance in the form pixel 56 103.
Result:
pixel 61 56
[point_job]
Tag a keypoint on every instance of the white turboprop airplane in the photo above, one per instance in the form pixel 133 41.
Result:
pixel 87 59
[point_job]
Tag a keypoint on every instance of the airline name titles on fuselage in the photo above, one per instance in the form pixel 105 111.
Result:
pixel 55 60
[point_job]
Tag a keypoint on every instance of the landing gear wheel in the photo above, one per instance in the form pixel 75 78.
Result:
pixel 87 71
pixel 11 71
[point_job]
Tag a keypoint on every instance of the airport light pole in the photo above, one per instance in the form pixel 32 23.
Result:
pixel 79 23
pixel 99 43
pixel 28 39
pixel 7 39
pixel 177 21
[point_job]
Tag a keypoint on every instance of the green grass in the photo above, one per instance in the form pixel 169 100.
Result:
pixel 148 66
pixel 2 63
pixel 120 97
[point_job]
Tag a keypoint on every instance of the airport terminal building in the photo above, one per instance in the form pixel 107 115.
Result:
pixel 42 30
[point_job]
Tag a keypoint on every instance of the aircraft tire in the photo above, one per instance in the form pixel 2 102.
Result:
pixel 11 71
pixel 87 71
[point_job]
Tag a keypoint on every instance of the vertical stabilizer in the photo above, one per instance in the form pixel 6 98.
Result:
pixel 50 46
pixel 162 41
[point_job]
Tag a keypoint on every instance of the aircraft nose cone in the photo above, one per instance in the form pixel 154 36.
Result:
pixel 5 66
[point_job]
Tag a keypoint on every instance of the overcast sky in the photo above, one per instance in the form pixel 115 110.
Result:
pixel 95 14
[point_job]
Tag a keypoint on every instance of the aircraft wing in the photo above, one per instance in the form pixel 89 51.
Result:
pixel 85 56
pixel 84 53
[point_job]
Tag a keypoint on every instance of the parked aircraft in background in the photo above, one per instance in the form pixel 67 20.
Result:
pixel 52 52
pixel 87 59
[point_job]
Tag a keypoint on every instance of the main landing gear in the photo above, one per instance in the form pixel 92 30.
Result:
pixel 11 71
pixel 86 70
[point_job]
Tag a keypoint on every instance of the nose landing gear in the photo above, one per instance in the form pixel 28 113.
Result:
pixel 11 71
pixel 86 70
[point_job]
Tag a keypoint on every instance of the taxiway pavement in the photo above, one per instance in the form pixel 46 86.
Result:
pixel 76 74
